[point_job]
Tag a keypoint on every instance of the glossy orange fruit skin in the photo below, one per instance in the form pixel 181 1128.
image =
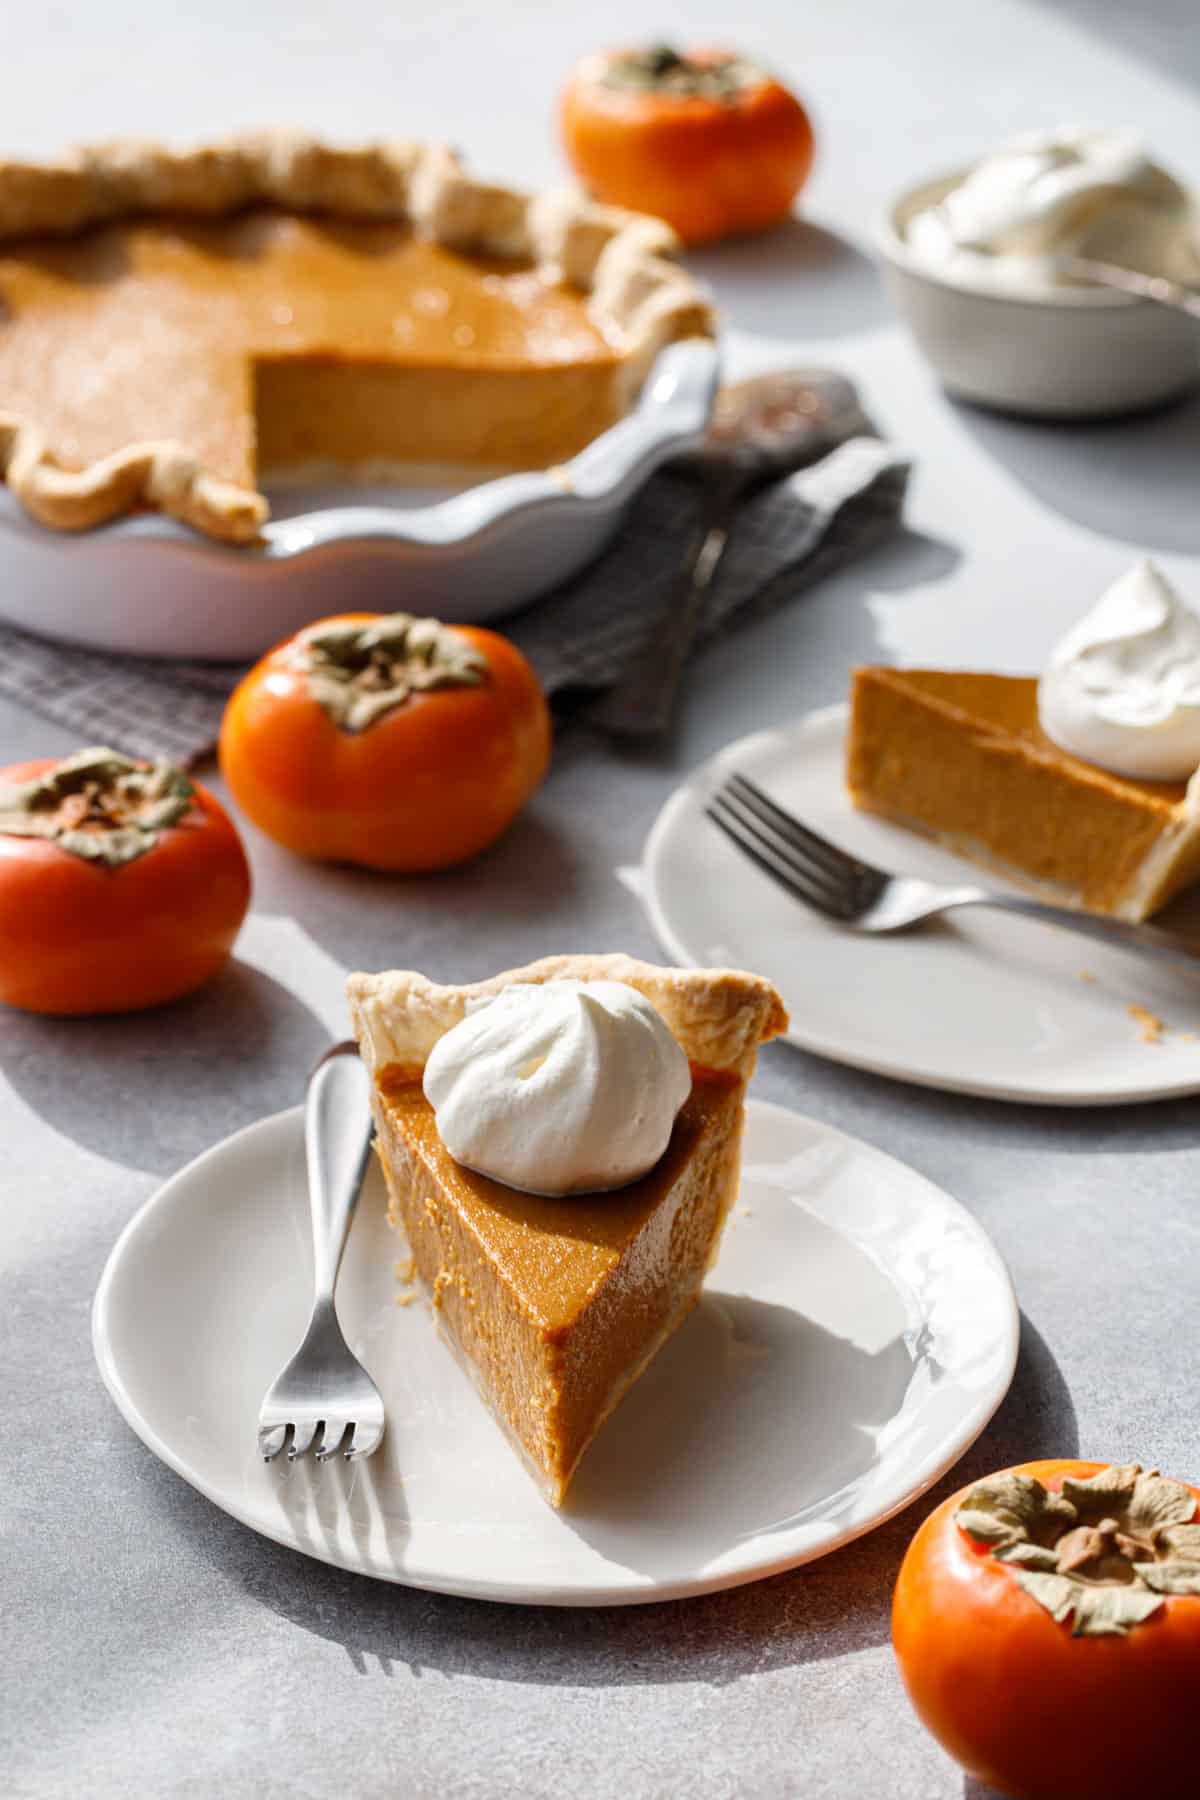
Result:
pixel 76 937
pixel 1019 1702
pixel 425 787
pixel 711 168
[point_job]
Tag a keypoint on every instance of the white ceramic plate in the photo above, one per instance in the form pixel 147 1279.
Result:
pixel 148 586
pixel 979 1003
pixel 857 1334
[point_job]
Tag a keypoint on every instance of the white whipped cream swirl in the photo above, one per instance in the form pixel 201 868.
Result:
pixel 1122 690
pixel 1049 194
pixel 563 1088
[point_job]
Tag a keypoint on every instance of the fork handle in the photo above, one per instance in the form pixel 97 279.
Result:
pixel 337 1147
pixel 1122 934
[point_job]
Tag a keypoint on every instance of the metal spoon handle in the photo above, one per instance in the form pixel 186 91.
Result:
pixel 642 704
pixel 1159 288
pixel 337 1147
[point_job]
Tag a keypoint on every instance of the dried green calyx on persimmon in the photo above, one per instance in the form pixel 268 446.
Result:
pixel 660 69
pixel 1104 1551
pixel 361 672
pixel 98 805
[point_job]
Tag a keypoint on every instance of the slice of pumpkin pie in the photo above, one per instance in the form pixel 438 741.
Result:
pixel 1082 783
pixel 561 1146
pixel 962 758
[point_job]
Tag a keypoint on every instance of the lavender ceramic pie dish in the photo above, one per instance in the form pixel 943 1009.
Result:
pixel 147 586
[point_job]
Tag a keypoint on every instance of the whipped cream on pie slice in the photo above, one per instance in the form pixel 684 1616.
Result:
pixel 1122 689
pixel 559 1088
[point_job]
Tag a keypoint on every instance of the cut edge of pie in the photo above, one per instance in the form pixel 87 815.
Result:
pixel 620 260
pixel 960 757
pixel 550 1363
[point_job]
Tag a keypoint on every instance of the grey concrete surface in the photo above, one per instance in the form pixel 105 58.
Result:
pixel 154 1646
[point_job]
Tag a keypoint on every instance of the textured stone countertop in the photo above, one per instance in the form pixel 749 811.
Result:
pixel 155 1646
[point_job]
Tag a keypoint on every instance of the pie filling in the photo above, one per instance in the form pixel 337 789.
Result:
pixel 316 415
pixel 273 342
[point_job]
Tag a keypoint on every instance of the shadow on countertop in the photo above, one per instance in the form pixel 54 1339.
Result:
pixel 1161 36
pixel 833 1607
pixel 535 879
pixel 150 1090
pixel 835 287
pixel 1132 480
pixel 915 559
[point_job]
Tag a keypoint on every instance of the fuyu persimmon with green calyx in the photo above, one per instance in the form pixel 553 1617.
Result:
pixel 385 740
pixel 705 139
pixel 122 884
pixel 1047 1625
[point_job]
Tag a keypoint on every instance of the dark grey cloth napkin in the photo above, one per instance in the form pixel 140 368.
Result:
pixel 579 638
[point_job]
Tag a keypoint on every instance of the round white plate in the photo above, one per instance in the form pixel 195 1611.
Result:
pixel 980 1003
pixel 856 1336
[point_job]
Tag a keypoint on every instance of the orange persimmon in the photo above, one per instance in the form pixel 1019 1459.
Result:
pixel 705 139
pixel 1047 1625
pixel 122 884
pixel 380 739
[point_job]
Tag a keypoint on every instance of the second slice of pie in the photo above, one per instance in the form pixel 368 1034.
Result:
pixel 962 758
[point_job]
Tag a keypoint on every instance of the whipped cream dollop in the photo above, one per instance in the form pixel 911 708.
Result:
pixel 1052 194
pixel 560 1088
pixel 1122 689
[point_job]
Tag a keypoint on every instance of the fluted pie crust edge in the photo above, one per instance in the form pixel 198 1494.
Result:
pixel 621 260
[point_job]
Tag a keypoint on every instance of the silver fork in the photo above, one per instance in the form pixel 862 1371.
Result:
pixel 324 1388
pixel 865 899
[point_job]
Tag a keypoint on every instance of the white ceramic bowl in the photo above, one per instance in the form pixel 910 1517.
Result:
pixel 149 587
pixel 1071 353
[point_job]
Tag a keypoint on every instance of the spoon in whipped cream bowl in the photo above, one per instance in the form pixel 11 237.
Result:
pixel 1158 288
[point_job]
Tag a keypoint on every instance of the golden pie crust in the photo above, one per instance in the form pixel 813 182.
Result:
pixel 556 1306
pixel 172 322
pixel 718 1016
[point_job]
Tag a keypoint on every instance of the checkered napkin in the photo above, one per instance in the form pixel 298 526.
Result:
pixel 579 638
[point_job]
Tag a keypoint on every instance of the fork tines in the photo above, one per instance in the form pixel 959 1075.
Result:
pixel 298 1439
pixel 798 858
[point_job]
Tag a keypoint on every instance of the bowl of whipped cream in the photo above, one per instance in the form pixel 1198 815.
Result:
pixel 977 262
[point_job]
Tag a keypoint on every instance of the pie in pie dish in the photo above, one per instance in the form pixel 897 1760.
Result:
pixel 962 758
pixel 176 326
pixel 556 1304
